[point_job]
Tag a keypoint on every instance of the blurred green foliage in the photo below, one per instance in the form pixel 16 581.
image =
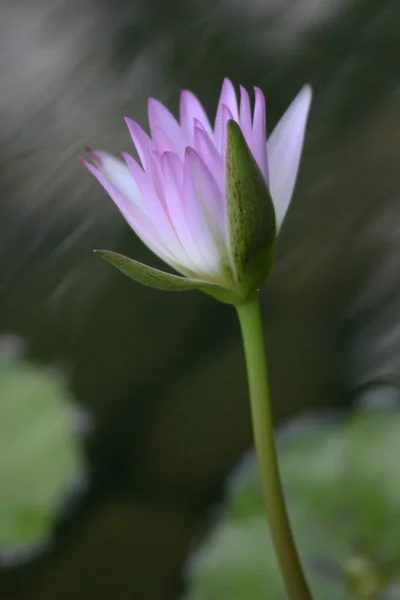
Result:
pixel 41 460
pixel 342 487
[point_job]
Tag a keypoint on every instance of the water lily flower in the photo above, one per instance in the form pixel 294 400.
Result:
pixel 208 200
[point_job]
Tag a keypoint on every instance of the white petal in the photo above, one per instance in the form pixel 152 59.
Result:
pixel 154 203
pixel 259 148
pixel 136 219
pixel 172 171
pixel 143 143
pixel 284 148
pixel 162 121
pixel 191 110
pixel 228 100
pixel 118 174
pixel 245 115
pixel 197 181
pixel 204 145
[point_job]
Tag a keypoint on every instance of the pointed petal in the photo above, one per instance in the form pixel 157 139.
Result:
pixel 155 208
pixel 227 99
pixel 161 119
pixel 191 110
pixel 245 116
pixel 209 194
pixel 164 143
pixel 197 216
pixel 204 145
pixel 128 209
pixel 259 148
pixel 118 174
pixel 172 173
pixel 284 151
pixel 166 282
pixel 136 219
pixel 226 116
pixel 144 182
pixel 143 144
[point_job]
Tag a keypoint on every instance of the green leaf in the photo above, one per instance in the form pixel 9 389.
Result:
pixel 251 214
pixel 166 282
pixel 41 459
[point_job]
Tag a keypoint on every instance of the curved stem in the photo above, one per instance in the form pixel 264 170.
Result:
pixel 253 340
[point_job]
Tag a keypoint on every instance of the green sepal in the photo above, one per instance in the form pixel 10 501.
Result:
pixel 166 282
pixel 251 214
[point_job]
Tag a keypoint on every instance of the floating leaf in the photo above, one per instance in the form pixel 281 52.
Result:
pixel 41 460
pixel 343 493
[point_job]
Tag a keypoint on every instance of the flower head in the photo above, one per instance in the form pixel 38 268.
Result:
pixel 179 196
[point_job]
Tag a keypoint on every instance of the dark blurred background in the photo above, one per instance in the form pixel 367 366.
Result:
pixel 161 375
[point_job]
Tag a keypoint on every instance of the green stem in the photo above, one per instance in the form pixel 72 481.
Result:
pixel 253 340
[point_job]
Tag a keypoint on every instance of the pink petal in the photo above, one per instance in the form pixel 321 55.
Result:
pixel 170 208
pixel 155 205
pixel 172 168
pixel 142 179
pixel 205 219
pixel 245 116
pixel 163 141
pixel 259 148
pixel 142 141
pixel 172 172
pixel 226 116
pixel 191 110
pixel 154 176
pixel 118 174
pixel 135 218
pixel 208 192
pixel 161 119
pixel 209 154
pixel 284 151
pixel 229 100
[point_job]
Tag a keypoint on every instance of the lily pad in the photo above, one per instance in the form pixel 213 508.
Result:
pixel 41 459
pixel 342 485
